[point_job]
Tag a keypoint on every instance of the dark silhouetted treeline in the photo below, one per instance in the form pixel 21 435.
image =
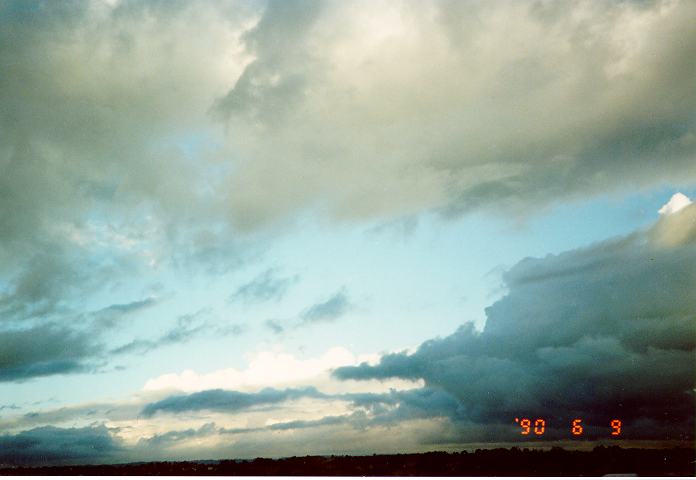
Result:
pixel 500 461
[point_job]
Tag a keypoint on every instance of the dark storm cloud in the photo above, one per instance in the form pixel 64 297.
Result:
pixel 330 309
pixel 228 401
pixel 267 286
pixel 596 333
pixel 58 446
pixel 407 405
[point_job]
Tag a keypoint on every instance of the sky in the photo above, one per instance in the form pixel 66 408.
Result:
pixel 243 228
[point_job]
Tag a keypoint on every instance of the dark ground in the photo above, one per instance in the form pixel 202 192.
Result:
pixel 514 461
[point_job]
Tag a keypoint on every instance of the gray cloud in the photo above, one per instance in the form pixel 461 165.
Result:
pixel 275 326
pixel 112 315
pixel 174 436
pixel 123 308
pixel 266 286
pixel 595 333
pixel 60 446
pixel 187 328
pixel 404 405
pixel 330 309
pixel 95 186
pixel 506 106
pixel 228 401
pixel 62 342
pixel 357 419
pixel 44 350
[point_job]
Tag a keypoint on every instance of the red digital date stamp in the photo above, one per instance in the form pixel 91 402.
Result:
pixel 538 427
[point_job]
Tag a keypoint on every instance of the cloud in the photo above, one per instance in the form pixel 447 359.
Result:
pixel 96 184
pixel 355 110
pixel 63 342
pixel 595 333
pixel 123 308
pixel 314 121
pixel 265 369
pixel 675 204
pixel 227 401
pixel 45 350
pixel 111 316
pixel 60 446
pixel 267 286
pixel 115 163
pixel 675 229
pixel 388 110
pixel 329 310
pixel 176 436
pixel 187 328
pixel 274 325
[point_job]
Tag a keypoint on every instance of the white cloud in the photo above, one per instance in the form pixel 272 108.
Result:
pixel 676 203
pixel 279 369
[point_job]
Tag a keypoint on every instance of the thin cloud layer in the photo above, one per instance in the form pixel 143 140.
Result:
pixel 328 310
pixel 265 287
pixel 227 401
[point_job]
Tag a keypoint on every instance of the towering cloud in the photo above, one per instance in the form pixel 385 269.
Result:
pixel 597 333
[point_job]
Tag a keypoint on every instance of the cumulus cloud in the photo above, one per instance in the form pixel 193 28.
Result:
pixel 676 203
pixel 597 333
pixel 675 229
